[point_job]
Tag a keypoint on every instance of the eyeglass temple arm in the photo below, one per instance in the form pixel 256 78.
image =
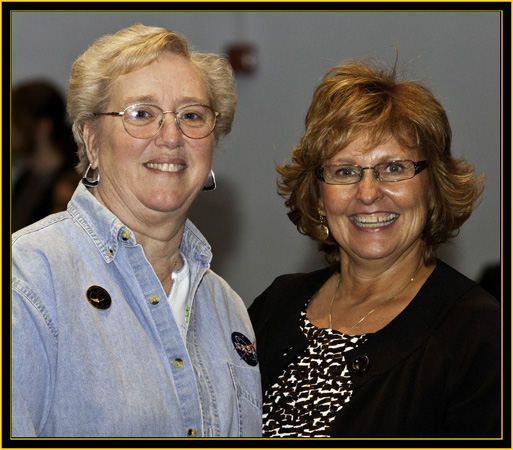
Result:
pixel 110 114
pixel 319 173
pixel 419 166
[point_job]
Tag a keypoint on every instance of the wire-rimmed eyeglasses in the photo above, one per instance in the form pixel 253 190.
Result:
pixel 390 171
pixel 143 121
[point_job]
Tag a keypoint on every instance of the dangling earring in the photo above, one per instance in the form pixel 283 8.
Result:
pixel 212 185
pixel 90 182
pixel 325 231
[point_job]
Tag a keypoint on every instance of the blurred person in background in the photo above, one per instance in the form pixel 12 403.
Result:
pixel 43 153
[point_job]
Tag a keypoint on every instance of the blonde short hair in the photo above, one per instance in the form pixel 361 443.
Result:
pixel 363 98
pixel 128 50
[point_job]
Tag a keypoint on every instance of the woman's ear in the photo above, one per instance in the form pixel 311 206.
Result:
pixel 321 208
pixel 90 145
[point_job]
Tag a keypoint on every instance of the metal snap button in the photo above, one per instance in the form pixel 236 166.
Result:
pixel 154 299
pixel 192 432
pixel 125 235
pixel 178 363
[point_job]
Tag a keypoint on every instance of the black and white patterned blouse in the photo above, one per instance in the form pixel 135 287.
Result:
pixel 312 389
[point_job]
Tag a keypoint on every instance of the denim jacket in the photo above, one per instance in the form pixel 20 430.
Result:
pixel 123 371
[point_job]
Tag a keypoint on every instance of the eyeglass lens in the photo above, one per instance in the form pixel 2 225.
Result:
pixel 144 121
pixel 387 171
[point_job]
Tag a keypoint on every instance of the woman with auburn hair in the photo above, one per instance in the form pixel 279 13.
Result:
pixel 387 341
pixel 119 327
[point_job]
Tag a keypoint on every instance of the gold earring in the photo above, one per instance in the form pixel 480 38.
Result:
pixel 325 231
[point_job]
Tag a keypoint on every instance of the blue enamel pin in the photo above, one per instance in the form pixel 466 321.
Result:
pixel 245 348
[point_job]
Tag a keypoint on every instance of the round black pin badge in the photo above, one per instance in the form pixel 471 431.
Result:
pixel 244 348
pixel 98 297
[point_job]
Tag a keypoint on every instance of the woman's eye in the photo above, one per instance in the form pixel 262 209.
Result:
pixel 140 114
pixel 343 172
pixel 190 116
pixel 394 168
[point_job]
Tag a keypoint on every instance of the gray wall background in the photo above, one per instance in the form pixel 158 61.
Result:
pixel 457 54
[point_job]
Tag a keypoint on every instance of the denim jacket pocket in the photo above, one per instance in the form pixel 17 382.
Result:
pixel 249 401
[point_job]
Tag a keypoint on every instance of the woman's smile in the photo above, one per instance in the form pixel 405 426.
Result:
pixel 374 221
pixel 166 167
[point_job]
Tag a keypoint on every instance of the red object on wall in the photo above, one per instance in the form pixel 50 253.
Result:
pixel 243 58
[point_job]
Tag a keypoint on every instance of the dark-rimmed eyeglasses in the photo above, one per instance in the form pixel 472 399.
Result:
pixel 143 121
pixel 390 171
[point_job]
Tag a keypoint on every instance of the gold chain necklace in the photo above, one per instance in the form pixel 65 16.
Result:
pixel 372 310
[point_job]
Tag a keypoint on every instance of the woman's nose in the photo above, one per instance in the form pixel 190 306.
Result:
pixel 369 189
pixel 169 133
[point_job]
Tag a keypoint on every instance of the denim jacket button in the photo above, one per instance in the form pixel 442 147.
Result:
pixel 192 432
pixel 178 363
pixel 125 235
pixel 154 299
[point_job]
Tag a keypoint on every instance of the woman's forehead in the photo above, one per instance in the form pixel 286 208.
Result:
pixel 369 141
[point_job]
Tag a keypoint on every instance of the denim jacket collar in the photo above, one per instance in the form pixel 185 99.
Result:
pixel 106 230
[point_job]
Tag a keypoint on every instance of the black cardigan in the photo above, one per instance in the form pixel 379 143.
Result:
pixel 434 371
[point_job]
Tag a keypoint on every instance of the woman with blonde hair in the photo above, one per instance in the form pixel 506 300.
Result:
pixel 119 327
pixel 387 341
